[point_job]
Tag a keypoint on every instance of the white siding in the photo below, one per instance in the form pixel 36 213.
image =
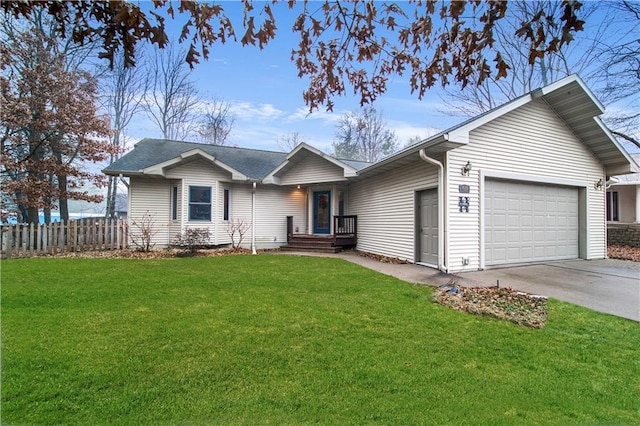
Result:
pixel 222 237
pixel 385 205
pixel 174 225
pixel 312 169
pixel 273 205
pixel 201 173
pixel 529 141
pixel 152 196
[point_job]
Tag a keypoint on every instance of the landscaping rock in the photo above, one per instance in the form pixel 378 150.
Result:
pixel 505 303
pixel 624 252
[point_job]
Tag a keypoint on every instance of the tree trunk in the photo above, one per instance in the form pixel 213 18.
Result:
pixel 111 197
pixel 63 206
pixel 32 215
pixel 47 216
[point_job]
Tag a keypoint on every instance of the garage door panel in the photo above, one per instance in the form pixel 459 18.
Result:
pixel 529 222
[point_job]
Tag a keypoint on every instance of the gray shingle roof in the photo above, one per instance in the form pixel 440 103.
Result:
pixel 254 163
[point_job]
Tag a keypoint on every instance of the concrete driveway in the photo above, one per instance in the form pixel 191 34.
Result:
pixel 606 285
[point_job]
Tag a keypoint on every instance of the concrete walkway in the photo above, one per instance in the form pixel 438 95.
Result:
pixel 608 285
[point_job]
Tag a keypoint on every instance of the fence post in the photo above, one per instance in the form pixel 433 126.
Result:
pixel 4 231
pixel 82 235
pixel 32 239
pixel 45 240
pixel 39 229
pixel 73 234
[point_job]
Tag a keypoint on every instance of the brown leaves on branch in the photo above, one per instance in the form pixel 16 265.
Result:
pixel 49 127
pixel 357 45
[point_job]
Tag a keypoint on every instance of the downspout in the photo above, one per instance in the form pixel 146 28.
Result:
pixel 253 219
pixel 441 209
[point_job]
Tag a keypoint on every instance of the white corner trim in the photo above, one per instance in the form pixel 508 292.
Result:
pixel 481 256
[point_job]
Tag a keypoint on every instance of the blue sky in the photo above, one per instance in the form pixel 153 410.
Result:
pixel 265 92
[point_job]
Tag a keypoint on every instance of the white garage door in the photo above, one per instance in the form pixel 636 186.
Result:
pixel 527 222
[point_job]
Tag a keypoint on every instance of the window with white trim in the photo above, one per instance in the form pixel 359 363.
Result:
pixel 200 203
pixel 225 207
pixel 174 202
pixel 613 210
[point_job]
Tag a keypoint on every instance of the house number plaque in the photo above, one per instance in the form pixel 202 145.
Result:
pixel 463 189
pixel 463 204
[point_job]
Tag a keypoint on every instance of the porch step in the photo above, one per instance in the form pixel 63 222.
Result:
pixel 311 243
pixel 311 249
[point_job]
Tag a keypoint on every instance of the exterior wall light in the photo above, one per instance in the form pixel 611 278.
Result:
pixel 466 169
pixel 599 185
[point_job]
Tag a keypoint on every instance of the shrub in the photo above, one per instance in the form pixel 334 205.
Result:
pixel 192 240
pixel 142 231
pixel 236 229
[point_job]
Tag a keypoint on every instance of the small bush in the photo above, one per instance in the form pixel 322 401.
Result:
pixel 236 229
pixel 142 231
pixel 192 240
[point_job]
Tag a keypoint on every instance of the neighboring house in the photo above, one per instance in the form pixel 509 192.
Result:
pixel 516 184
pixel 623 197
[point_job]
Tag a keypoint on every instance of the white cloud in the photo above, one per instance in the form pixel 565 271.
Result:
pixel 302 114
pixel 249 111
pixel 405 131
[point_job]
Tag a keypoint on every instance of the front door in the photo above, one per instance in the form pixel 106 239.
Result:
pixel 428 226
pixel 322 212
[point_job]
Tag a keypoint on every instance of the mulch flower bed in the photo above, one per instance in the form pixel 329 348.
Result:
pixel 153 254
pixel 499 302
pixel 383 259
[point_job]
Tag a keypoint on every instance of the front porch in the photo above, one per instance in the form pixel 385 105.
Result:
pixel 345 235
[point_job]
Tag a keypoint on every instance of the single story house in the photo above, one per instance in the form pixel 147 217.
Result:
pixel 523 182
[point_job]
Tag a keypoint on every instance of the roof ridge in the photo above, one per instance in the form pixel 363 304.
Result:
pixel 211 145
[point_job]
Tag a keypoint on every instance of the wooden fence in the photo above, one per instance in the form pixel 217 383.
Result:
pixel 91 234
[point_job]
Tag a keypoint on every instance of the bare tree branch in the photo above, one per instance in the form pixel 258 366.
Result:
pixel 364 136
pixel 290 141
pixel 170 95
pixel 216 123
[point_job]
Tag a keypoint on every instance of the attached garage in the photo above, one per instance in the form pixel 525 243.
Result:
pixel 530 222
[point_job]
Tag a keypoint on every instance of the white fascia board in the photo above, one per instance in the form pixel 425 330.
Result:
pixel 426 144
pixel 275 180
pixel 625 184
pixel 570 79
pixel 158 169
pixel 348 171
pixel 271 177
pixel 633 166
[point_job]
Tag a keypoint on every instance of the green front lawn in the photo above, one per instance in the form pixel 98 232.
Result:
pixel 290 340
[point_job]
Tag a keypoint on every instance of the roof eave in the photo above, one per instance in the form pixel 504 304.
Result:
pixel 273 177
pixel 161 168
